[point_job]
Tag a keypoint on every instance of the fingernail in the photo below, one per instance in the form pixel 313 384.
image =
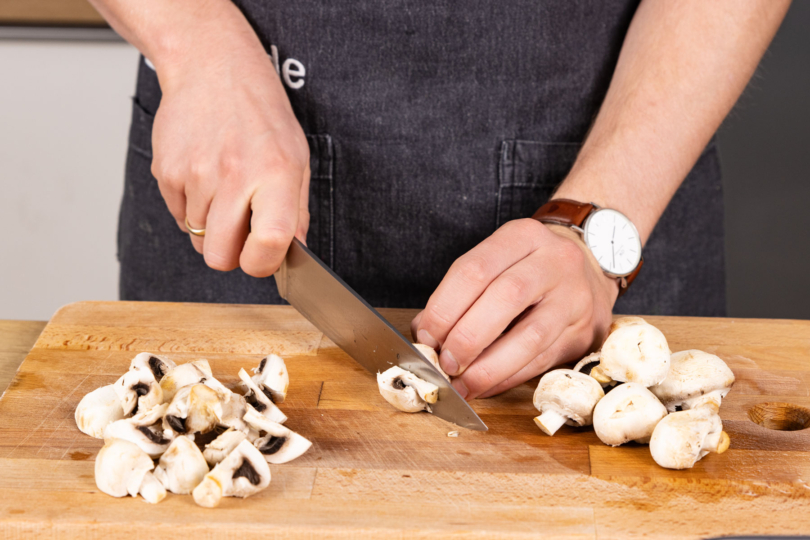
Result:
pixel 448 362
pixel 460 388
pixel 423 336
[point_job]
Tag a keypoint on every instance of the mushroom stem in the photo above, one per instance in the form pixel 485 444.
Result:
pixel 151 489
pixel 550 421
pixel 725 441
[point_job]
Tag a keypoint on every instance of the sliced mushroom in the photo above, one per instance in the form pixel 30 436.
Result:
pixel 149 417
pixel 138 389
pixel 695 378
pixel 195 408
pixel 564 396
pixel 271 376
pixel 124 469
pixel 157 365
pixel 184 375
pixel 243 473
pixel 97 410
pixel 151 441
pixel 223 445
pixel 406 391
pixel 279 444
pixel 634 351
pixel 182 467
pixel 260 400
pixel 684 437
pixel 629 412
pixel 430 353
pixel 233 411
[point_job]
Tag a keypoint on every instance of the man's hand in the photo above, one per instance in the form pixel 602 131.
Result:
pixel 545 273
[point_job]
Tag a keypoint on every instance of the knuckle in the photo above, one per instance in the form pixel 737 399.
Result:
pixel 513 290
pixel 230 165
pixel 480 380
pixel 527 227
pixel 473 269
pixel 534 337
pixel 464 343
pixel 572 253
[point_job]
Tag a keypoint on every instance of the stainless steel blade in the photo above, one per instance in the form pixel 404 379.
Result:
pixel 336 310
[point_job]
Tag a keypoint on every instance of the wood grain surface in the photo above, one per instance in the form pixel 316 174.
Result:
pixel 16 339
pixel 50 13
pixel 375 472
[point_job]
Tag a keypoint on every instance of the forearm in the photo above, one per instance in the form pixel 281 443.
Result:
pixel 681 68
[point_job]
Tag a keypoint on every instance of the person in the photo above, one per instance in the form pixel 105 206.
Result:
pixel 409 144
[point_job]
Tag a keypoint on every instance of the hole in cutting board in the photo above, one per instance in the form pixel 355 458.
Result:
pixel 780 416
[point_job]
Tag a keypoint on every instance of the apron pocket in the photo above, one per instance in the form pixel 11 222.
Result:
pixel 529 172
pixel 321 234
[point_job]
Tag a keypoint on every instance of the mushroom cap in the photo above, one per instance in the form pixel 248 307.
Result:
pixel 152 442
pixel 120 468
pixel 271 375
pixel 98 409
pixel 569 393
pixel 193 409
pixel 157 365
pixel 216 450
pixel 684 437
pixel 430 353
pixel 635 351
pixel 233 411
pixel 184 375
pixel 629 412
pixel 693 374
pixel 259 400
pixel 182 467
pixel 406 391
pixel 279 444
pixel 242 473
pixel 138 389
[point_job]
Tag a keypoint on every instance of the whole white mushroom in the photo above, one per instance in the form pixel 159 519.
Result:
pixel 97 410
pixel 684 437
pixel 695 378
pixel 629 412
pixel 564 396
pixel 634 351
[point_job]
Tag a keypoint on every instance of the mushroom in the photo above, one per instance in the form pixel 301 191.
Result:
pixel 271 376
pixel 243 473
pixel 124 469
pixel 138 389
pixel 406 391
pixel 629 412
pixel 98 409
pixel 233 411
pixel 279 444
pixel 184 375
pixel 193 409
pixel 216 450
pixel 154 443
pixel 260 400
pixel 695 378
pixel 634 351
pixel 683 438
pixel 430 353
pixel 157 365
pixel 564 396
pixel 182 467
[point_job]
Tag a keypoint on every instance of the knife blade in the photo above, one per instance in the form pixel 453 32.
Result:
pixel 352 324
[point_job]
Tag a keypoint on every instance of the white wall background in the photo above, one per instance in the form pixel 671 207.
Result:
pixel 64 120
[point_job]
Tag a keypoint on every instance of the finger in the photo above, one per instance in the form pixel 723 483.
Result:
pixel 272 225
pixel 197 204
pixel 528 339
pixel 175 199
pixel 571 344
pixel 303 208
pixel 504 299
pixel 470 275
pixel 415 324
pixel 226 230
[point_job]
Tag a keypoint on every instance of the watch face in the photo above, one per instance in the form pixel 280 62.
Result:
pixel 614 241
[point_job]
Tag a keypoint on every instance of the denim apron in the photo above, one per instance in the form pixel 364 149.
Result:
pixel 430 124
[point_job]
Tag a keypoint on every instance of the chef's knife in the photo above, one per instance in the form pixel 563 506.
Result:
pixel 356 327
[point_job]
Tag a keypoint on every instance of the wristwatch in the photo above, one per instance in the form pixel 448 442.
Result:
pixel 609 234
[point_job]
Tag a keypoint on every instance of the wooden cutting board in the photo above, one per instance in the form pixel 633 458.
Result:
pixel 376 472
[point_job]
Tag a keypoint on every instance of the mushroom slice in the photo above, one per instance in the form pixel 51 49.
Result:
pixel 184 375
pixel 243 473
pixel 260 400
pixel 151 416
pixel 182 467
pixel 629 412
pixel 683 438
pixel 695 378
pixel 233 411
pixel 138 389
pixel 193 409
pixel 124 469
pixel 157 365
pixel 279 444
pixel 272 376
pixel 634 351
pixel 430 353
pixel 216 450
pixel 98 409
pixel 150 441
pixel 564 396
pixel 406 391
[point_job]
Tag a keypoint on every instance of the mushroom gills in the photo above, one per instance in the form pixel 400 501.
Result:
pixel 242 473
pixel 223 445
pixel 157 365
pixel 279 444
pixel 260 401
pixel 272 377
pixel 138 390
pixel 151 442
pixel 195 408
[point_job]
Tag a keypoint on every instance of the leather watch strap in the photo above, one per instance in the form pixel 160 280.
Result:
pixel 573 213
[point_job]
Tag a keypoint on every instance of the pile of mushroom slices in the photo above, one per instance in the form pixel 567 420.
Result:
pixel 183 417
pixel 406 391
pixel 669 401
